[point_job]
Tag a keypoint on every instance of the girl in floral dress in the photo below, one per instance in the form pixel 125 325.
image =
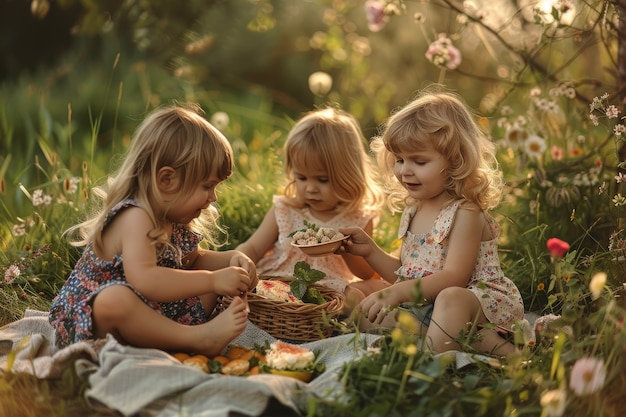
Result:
pixel 443 171
pixel 332 184
pixel 142 276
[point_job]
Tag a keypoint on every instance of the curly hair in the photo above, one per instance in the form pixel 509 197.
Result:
pixel 442 121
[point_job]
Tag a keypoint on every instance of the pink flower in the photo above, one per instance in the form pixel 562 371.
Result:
pixel 11 273
pixel 375 13
pixel 557 247
pixel 588 375
pixel 557 153
pixel 443 54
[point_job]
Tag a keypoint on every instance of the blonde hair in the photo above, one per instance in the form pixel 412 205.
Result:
pixel 331 140
pixel 443 121
pixel 175 136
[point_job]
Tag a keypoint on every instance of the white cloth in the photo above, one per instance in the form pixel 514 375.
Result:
pixel 152 383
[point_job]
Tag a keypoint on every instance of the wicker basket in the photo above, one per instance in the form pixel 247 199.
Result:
pixel 299 322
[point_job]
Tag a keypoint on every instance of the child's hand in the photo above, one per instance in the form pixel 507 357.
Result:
pixel 377 305
pixel 233 281
pixel 242 260
pixel 359 242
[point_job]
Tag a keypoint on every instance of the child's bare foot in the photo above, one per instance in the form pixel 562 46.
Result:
pixel 226 326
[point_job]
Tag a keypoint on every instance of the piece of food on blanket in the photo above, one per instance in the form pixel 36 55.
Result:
pixel 290 360
pixel 237 361
pixel 276 290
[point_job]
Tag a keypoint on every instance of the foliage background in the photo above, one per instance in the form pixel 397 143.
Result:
pixel 78 76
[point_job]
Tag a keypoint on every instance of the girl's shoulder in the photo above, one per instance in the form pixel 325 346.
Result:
pixel 447 215
pixel 405 221
pixel 124 204
pixel 471 212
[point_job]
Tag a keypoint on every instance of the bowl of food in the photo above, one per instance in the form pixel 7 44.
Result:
pixel 321 242
pixel 292 361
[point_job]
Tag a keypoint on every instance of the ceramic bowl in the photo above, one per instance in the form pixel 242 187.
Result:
pixel 321 249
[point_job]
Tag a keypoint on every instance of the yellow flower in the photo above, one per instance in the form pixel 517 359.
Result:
pixel 597 284
pixel 554 402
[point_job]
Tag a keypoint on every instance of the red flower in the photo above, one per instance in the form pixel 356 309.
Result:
pixel 557 247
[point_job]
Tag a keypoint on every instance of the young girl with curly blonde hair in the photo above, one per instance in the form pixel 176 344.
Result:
pixel 143 277
pixel 442 169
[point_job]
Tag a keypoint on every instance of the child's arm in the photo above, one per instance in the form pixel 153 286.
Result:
pixel 128 235
pixel 214 260
pixel 357 264
pixel 463 246
pixel 362 244
pixel 262 239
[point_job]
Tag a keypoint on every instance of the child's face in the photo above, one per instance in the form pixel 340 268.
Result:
pixel 313 188
pixel 421 173
pixel 190 207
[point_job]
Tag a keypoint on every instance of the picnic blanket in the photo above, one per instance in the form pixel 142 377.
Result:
pixel 151 383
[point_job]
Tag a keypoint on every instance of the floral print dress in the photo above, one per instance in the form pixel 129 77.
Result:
pixel 70 313
pixel 280 260
pixel 425 254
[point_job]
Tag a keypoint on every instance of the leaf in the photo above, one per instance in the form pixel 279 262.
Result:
pixel 304 276
pixel 298 288
pixel 314 296
pixel 314 275
pixel 301 269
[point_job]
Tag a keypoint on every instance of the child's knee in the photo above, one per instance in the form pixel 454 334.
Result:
pixel 114 301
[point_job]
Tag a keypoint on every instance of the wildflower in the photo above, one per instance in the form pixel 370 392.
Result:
pixel 587 376
pixel 534 146
pixel 320 83
pixel 11 273
pixel 515 136
pixel 18 230
pixel 618 129
pixel 70 185
pixel 408 323
pixel 41 199
pixel 557 247
pixel 554 402
pixel 557 153
pixel 541 286
pixel 443 54
pixel 375 13
pixel 40 8
pixel 220 120
pixel 410 350
pixel 619 178
pixel 596 285
pixel 619 200
pixel 611 112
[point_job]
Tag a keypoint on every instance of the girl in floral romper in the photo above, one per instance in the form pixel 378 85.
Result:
pixel 443 170
pixel 143 277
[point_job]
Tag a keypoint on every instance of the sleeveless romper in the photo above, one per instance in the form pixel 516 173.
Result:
pixel 70 313
pixel 424 254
